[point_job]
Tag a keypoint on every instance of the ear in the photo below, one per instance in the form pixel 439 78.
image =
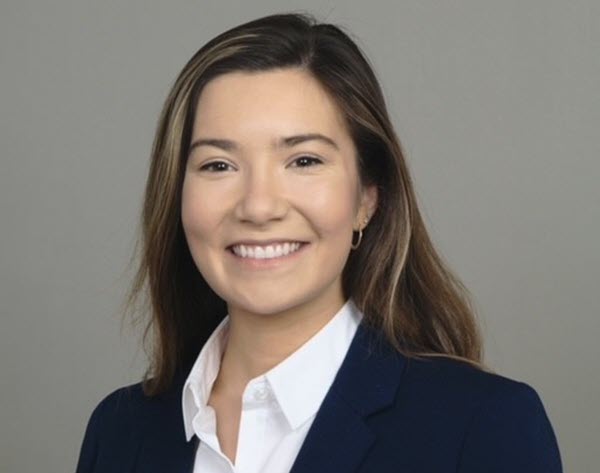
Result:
pixel 368 204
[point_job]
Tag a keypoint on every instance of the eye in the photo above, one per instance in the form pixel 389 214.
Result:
pixel 307 161
pixel 215 166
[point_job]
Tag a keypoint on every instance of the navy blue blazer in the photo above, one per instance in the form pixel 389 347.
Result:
pixel 384 413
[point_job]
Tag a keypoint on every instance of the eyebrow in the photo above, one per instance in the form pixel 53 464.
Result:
pixel 285 142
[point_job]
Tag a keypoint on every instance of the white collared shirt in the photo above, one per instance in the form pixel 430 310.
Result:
pixel 278 407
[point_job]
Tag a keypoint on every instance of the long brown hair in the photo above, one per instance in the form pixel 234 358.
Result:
pixel 395 276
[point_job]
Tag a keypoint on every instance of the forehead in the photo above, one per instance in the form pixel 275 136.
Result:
pixel 282 101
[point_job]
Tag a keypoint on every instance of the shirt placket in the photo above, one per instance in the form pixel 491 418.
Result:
pixel 252 436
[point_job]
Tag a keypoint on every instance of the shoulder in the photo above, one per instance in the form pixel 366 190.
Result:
pixel 120 421
pixel 501 422
pixel 460 381
pixel 121 404
pixel 451 387
pixel 125 399
pixel 118 414
pixel 129 407
pixel 427 390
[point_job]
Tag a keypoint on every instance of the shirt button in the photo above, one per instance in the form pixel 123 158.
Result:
pixel 261 394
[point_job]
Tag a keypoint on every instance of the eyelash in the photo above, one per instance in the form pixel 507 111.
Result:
pixel 207 167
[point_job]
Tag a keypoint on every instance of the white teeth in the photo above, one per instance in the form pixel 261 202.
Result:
pixel 266 252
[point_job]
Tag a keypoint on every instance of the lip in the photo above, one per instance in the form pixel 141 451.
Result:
pixel 271 263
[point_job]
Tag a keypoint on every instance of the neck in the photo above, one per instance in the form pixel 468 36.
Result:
pixel 258 342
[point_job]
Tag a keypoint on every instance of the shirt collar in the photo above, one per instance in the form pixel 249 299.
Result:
pixel 197 387
pixel 299 383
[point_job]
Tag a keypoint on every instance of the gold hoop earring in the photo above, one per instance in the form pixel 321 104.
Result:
pixel 353 245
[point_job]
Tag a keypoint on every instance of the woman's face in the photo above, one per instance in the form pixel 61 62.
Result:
pixel 271 165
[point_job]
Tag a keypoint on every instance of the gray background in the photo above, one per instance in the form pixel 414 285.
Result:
pixel 496 102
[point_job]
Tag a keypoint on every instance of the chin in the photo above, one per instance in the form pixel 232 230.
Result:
pixel 266 304
pixel 268 308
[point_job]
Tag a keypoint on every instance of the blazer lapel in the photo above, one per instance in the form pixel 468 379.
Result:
pixel 366 382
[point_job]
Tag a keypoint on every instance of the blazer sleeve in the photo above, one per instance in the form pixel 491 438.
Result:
pixel 511 433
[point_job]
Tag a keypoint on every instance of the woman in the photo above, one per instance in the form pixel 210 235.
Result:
pixel 303 320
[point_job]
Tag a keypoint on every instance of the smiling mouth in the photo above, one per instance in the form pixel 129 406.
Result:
pixel 266 252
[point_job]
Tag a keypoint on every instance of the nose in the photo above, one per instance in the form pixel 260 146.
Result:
pixel 261 198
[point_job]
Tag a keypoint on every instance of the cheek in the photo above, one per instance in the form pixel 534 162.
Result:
pixel 196 214
pixel 331 206
pixel 199 219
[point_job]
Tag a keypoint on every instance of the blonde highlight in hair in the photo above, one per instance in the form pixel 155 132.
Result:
pixel 395 276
